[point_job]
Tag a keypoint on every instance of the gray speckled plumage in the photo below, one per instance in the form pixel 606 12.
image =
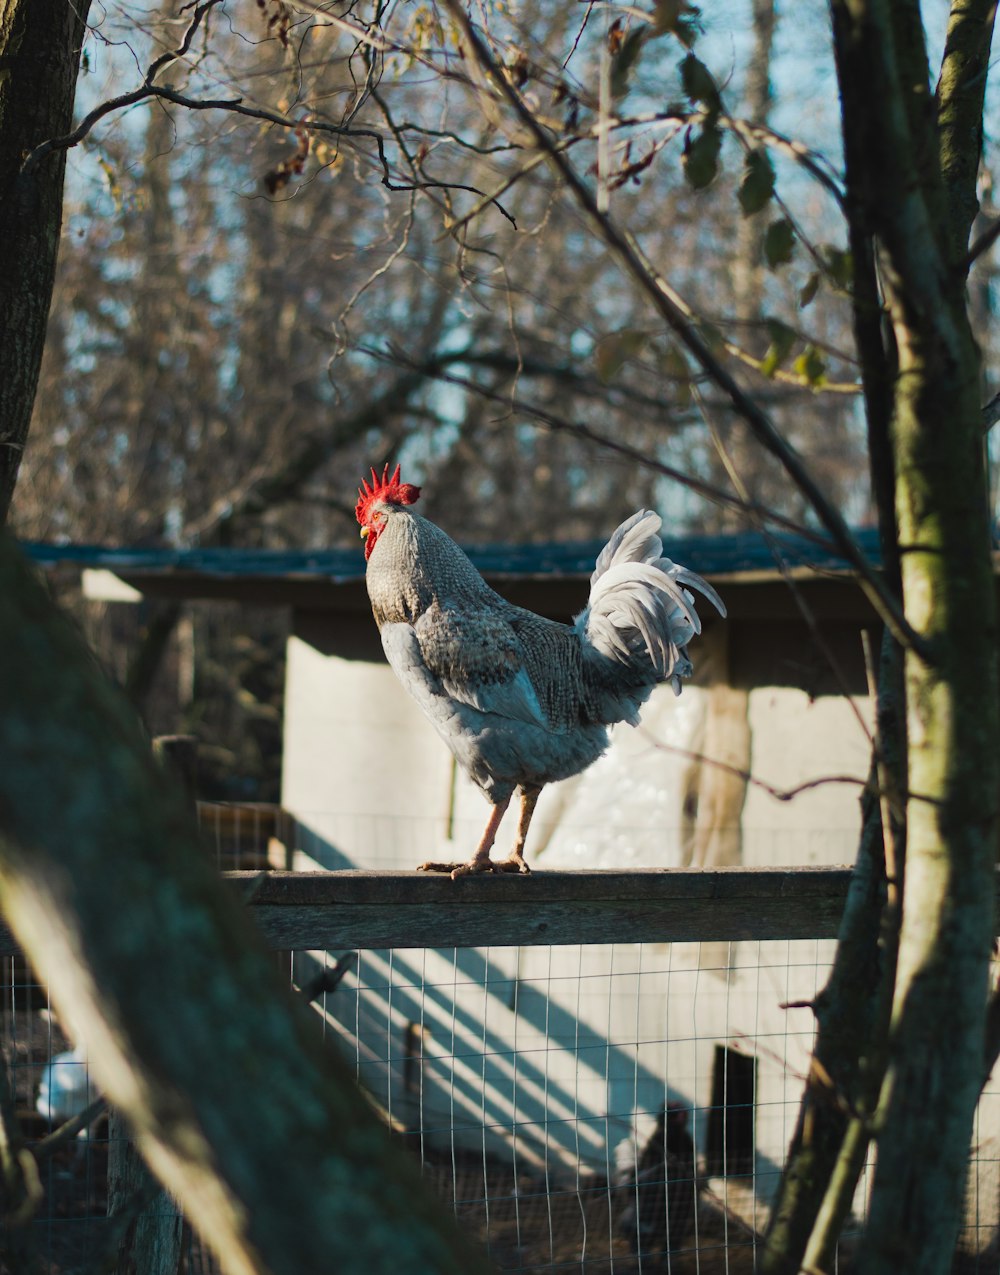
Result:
pixel 521 700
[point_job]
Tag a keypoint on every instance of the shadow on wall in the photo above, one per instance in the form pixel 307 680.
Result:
pixel 549 1057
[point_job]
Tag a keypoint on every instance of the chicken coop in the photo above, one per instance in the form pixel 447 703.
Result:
pixel 533 1039
pixel 371 786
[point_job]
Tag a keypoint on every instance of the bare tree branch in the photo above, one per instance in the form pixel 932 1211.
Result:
pixel 683 323
pixel 147 89
pixel 437 369
pixel 983 243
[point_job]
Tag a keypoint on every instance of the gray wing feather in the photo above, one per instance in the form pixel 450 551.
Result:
pixel 514 697
pixel 469 660
pixel 402 650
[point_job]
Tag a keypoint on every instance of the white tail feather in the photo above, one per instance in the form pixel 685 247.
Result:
pixel 636 540
pixel 639 608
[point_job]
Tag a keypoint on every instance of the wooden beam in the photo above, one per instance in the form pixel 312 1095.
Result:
pixel 302 911
pixel 336 910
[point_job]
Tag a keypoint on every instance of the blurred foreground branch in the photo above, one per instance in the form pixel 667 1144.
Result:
pixel 235 1102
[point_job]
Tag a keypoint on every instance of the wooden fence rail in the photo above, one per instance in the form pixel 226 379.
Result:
pixel 308 910
pixel 320 910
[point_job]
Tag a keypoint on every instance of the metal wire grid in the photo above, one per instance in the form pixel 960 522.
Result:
pixel 245 836
pixel 47 1077
pixel 526 1080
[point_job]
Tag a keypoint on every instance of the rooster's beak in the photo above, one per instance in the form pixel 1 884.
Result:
pixel 365 532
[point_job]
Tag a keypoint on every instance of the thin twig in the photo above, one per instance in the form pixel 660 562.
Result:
pixel 69 1130
pixel 982 244
pixel 805 610
pixel 234 105
pixel 147 89
pixel 778 794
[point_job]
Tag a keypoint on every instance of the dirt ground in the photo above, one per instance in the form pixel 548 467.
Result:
pixel 525 1227
pixel 529 1225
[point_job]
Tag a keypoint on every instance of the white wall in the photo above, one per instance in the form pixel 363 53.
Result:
pixel 362 770
pixel 796 740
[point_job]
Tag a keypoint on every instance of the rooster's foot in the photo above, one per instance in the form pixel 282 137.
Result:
pixel 514 864
pixel 475 866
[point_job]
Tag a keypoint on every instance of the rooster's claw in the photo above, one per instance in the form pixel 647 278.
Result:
pixel 475 866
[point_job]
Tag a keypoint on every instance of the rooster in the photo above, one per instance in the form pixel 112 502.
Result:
pixel 520 700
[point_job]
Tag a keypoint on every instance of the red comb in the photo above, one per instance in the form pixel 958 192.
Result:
pixel 384 488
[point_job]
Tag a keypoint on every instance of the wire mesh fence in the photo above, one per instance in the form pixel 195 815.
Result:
pixel 610 1107
pixel 576 1116
pixel 595 1109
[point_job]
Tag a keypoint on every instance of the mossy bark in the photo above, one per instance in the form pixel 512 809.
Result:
pixel 247 1117
pixel 911 164
pixel 936 1042
pixel 910 1073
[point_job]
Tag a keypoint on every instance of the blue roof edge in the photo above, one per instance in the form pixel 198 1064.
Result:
pixel 711 555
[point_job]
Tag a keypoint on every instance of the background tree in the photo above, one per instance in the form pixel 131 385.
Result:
pixel 40 45
pixel 237 1103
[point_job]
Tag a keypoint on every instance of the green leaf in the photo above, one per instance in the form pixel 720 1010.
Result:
pixel 757 185
pixel 698 83
pixel 811 366
pixel 782 339
pixel 612 351
pixel 839 266
pixel 675 366
pixel 624 61
pixel 701 156
pixel 809 289
pixel 779 242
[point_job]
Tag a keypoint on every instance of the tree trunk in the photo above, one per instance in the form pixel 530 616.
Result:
pixel 237 1104
pixel 895 156
pixel 936 1043
pixel 845 1017
pixel 40 42
pixel 147 1225
pixel 748 268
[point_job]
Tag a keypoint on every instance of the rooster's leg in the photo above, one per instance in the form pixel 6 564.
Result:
pixel 515 861
pixel 480 861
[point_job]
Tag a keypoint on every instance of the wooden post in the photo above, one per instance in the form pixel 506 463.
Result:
pixel 148 1222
